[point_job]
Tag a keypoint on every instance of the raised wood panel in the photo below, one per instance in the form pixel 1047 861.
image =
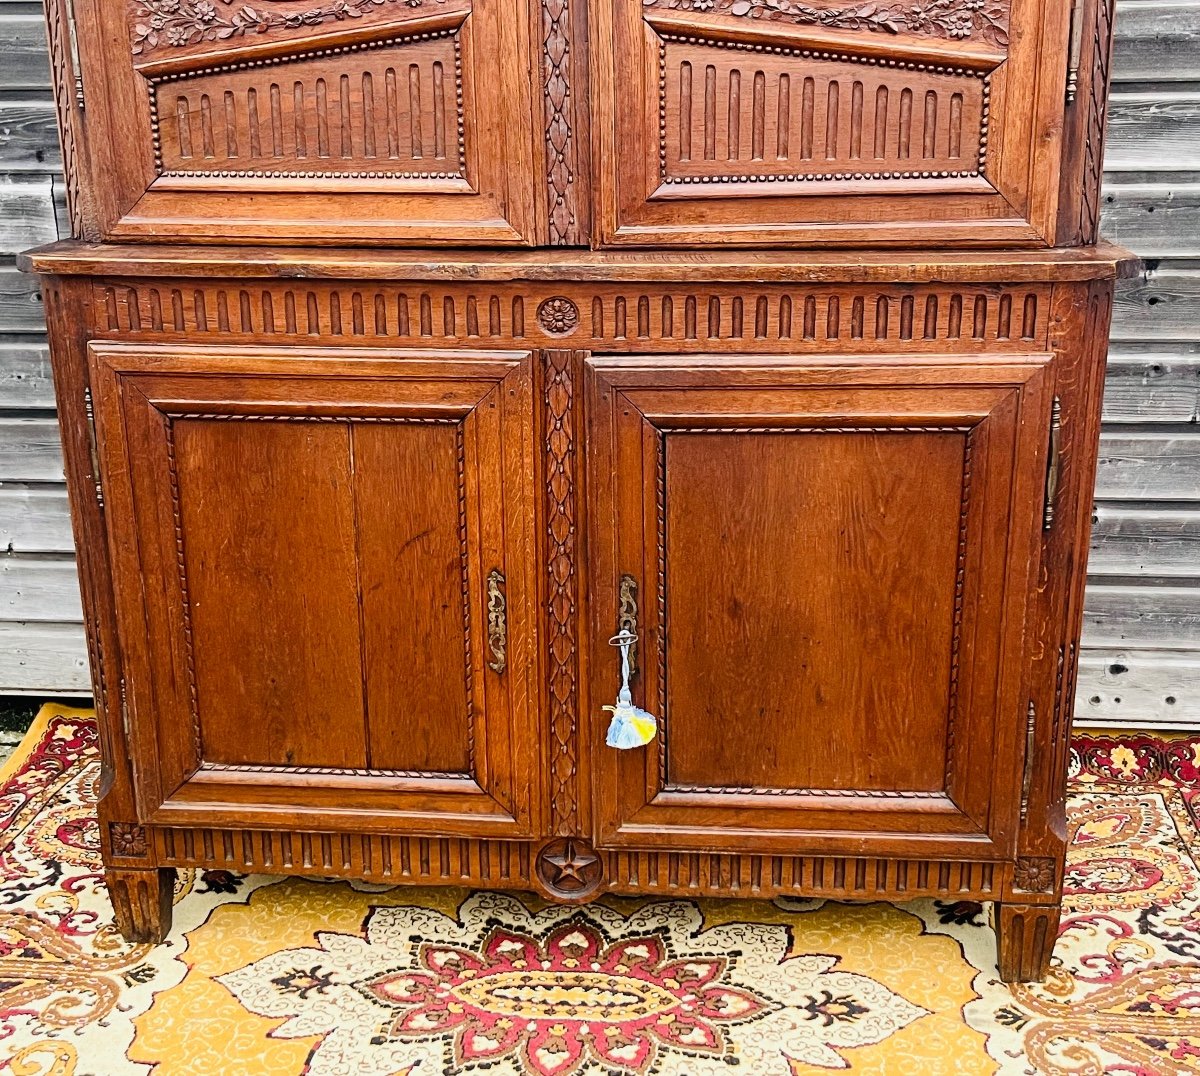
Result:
pixel 732 113
pixel 381 480
pixel 700 453
pixel 410 123
pixel 306 697
pixel 758 498
pixel 44 659
pixel 386 113
pixel 783 124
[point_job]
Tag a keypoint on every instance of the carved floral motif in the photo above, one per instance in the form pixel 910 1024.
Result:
pixel 179 23
pixel 958 19
pixel 558 316
pixel 128 839
pixel 1034 875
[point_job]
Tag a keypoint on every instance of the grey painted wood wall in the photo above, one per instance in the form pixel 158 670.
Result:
pixel 1141 662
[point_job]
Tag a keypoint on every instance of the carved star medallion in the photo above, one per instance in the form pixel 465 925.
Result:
pixel 569 868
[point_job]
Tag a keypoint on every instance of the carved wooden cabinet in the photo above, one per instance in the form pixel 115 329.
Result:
pixel 799 386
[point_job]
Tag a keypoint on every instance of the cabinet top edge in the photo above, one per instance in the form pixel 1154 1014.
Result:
pixel 74 258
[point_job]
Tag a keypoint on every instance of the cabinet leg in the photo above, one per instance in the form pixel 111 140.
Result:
pixel 141 901
pixel 1025 936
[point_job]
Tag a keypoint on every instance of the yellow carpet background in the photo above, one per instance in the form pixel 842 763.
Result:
pixel 290 976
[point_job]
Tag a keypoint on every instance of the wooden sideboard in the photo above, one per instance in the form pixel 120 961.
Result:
pixel 770 334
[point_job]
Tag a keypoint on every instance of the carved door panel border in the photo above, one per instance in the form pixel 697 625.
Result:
pixel 1001 407
pixel 409 122
pixel 711 122
pixel 142 393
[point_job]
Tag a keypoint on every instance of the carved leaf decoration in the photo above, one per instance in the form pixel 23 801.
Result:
pixel 180 23
pixel 953 19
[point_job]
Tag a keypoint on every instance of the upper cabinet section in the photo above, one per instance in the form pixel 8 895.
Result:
pixel 305 120
pixel 583 122
pixel 776 122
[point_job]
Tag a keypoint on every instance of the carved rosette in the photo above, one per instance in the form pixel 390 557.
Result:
pixel 558 316
pixel 985 20
pixel 127 839
pixel 1034 875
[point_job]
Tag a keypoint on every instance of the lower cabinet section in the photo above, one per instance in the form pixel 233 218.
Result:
pixel 353 603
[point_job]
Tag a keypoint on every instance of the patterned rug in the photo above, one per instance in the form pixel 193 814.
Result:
pixel 263 975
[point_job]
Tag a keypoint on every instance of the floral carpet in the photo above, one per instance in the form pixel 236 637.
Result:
pixel 290 976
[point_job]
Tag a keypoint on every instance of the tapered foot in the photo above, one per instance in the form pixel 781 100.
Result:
pixel 141 901
pixel 1025 936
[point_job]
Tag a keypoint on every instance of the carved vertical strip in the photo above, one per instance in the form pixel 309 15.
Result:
pixel 562 591
pixel 563 148
pixel 68 106
pixel 1083 127
pixel 1089 208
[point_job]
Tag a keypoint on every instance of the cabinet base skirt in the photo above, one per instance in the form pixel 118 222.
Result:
pixel 569 869
pixel 466 861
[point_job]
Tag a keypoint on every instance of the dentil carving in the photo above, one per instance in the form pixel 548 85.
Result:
pixel 986 19
pixel 179 23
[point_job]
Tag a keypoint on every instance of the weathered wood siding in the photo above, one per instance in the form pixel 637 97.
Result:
pixel 1141 658
pixel 1141 663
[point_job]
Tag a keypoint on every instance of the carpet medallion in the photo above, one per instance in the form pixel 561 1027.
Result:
pixel 290 976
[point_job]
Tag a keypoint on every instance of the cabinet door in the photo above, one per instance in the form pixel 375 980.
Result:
pixel 303 120
pixel 827 565
pixel 321 561
pixel 778 122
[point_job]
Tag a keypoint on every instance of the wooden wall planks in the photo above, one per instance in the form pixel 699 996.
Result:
pixel 1141 663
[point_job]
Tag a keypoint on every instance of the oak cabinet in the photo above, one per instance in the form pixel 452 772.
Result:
pixel 322 567
pixel 409 353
